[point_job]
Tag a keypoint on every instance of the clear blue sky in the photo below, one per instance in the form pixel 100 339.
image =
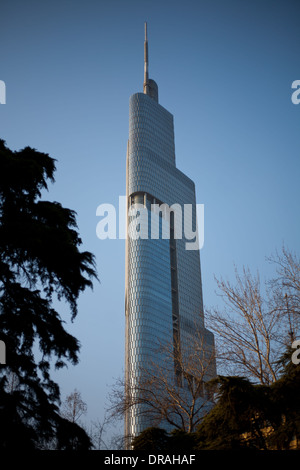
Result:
pixel 224 70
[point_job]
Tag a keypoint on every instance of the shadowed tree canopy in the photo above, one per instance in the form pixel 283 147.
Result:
pixel 156 440
pixel 39 259
pixel 151 439
pixel 236 413
pixel 251 416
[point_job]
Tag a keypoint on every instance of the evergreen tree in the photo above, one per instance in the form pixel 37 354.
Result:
pixel 39 258
pixel 151 440
pixel 285 416
pixel 236 421
pixel 248 416
pixel 156 440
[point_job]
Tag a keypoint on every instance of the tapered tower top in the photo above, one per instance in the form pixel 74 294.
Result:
pixel 150 86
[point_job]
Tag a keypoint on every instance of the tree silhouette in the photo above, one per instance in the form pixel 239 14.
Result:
pixel 238 416
pixel 254 416
pixel 156 440
pixel 152 439
pixel 39 258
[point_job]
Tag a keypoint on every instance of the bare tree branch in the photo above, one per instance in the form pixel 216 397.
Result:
pixel 256 322
pixel 172 393
pixel 73 407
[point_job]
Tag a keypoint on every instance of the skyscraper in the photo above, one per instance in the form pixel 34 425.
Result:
pixel 163 288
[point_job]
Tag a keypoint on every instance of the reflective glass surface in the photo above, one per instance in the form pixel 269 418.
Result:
pixel 152 268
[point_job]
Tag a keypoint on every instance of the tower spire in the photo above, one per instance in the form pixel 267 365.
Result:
pixel 146 71
pixel 150 87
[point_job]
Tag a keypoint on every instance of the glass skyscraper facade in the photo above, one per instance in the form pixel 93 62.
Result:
pixel 163 288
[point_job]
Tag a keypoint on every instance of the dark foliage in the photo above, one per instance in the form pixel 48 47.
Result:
pixel 39 258
pixel 249 416
pixel 181 440
pixel 151 440
pixel 285 411
pixel 157 440
pixel 234 415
